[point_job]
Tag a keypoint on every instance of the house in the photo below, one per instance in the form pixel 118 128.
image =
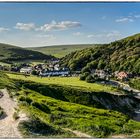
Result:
pixel 56 67
pixel 26 70
pixel 122 75
pixel 100 73
pixel 54 73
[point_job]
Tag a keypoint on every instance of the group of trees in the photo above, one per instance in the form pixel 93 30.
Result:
pixel 122 55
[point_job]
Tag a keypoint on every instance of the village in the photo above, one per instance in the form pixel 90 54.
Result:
pixel 53 68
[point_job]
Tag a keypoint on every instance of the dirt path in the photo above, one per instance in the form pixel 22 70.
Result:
pixel 121 136
pixel 78 133
pixel 8 126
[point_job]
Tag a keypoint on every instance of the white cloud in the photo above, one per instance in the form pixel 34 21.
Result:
pixel 77 34
pixel 25 26
pixel 137 16
pixel 90 36
pixel 2 29
pixel 111 34
pixel 63 25
pixel 126 19
pixel 130 18
pixel 48 36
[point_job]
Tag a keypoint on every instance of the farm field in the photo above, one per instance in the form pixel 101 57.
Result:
pixel 68 81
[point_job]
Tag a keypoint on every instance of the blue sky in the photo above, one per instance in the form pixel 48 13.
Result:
pixel 44 24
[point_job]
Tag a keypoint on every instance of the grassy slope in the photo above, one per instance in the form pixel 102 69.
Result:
pixel 6 82
pixel 92 121
pixel 58 114
pixel 60 50
pixel 16 53
pixel 66 81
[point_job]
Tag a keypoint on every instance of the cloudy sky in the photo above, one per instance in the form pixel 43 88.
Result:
pixel 44 24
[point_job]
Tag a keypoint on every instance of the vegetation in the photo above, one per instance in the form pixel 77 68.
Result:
pixel 135 83
pixel 66 81
pixel 61 50
pixel 119 55
pixel 10 53
pixel 34 127
pixel 59 107
pixel 5 81
pixel 66 114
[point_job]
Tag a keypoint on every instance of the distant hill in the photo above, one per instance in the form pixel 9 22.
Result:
pixel 123 54
pixel 14 53
pixel 61 50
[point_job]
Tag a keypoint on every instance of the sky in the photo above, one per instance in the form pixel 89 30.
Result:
pixel 44 24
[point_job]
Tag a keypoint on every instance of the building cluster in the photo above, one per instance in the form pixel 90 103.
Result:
pixel 106 75
pixel 46 70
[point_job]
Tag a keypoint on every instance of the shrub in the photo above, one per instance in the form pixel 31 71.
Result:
pixel 89 79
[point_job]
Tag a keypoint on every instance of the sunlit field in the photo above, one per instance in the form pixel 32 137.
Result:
pixel 68 81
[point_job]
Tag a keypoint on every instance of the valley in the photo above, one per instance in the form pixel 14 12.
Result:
pixel 61 94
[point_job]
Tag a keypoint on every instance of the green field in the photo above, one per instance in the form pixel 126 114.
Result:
pixel 61 50
pixel 67 81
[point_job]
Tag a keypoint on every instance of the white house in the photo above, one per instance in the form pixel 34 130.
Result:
pixel 100 73
pixel 54 73
pixel 27 70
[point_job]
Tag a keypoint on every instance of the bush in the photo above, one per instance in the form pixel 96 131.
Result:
pixel 84 75
pixel 90 79
pixel 34 72
pixel 26 99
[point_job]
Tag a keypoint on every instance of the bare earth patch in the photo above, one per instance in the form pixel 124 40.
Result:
pixel 8 126
pixel 78 133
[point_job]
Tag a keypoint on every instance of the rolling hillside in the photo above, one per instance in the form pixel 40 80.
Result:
pixel 123 54
pixel 61 50
pixel 14 53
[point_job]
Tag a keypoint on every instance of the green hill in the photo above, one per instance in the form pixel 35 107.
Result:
pixel 123 54
pixel 62 107
pixel 14 53
pixel 61 50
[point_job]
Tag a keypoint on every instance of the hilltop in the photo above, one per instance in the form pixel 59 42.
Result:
pixel 15 53
pixel 123 54
pixel 61 50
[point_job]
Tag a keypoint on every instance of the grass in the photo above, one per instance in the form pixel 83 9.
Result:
pixel 61 50
pixel 60 114
pixel 65 81
pixel 54 114
pixel 5 81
